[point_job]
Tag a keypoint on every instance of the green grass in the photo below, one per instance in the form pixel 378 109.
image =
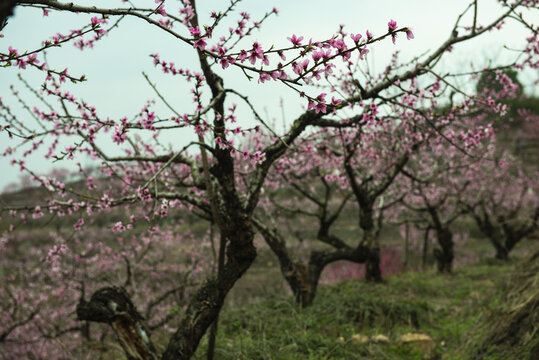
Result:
pixel 447 308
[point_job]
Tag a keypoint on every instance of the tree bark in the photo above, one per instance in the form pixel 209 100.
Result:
pixel 303 281
pixel 370 241
pixel 406 245
pixel 6 10
pixel 502 253
pixel 213 332
pixel 445 255
pixel 425 249
pixel 207 302
pixel 113 306
pixel 372 265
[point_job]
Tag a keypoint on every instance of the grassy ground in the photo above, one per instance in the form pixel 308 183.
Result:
pixel 452 310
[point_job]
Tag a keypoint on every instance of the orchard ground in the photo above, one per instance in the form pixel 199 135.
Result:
pixel 456 312
pixel 260 319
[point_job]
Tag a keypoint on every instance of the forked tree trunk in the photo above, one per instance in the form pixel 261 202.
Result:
pixel 515 233
pixel 207 302
pixel 113 306
pixel 494 232
pixel 302 278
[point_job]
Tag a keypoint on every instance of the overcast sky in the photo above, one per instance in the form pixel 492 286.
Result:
pixel 117 88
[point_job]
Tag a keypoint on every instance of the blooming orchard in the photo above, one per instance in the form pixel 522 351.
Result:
pixel 371 124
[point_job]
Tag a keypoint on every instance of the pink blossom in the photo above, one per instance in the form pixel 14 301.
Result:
pixel 21 64
pixel 320 107
pixel 194 31
pixel 392 25
pixel 242 55
pixel 78 225
pixel 279 74
pixel 226 61
pixel 147 121
pixel 337 43
pixel 363 52
pixel 296 41
pixel 256 53
pixel 409 34
pixel 300 67
pixel 263 77
pixel 118 227
pixel 317 55
pixel 209 32
pixel 374 108
pixel 316 74
pixel 12 52
pixel 119 135
pixel 335 101
pixel 200 44
pixel 329 69
pixel 258 158
pixel 356 37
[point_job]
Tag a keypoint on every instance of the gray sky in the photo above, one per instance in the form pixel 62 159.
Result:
pixel 117 88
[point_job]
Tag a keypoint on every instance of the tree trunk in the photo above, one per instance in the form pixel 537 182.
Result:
pixel 502 253
pixel 306 298
pixel 497 239
pixel 372 266
pixel 370 241
pixel 406 245
pixel 220 266
pixel 494 232
pixel 444 256
pixel 6 10
pixel 207 302
pixel 113 306
pixel 303 281
pixel 425 249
